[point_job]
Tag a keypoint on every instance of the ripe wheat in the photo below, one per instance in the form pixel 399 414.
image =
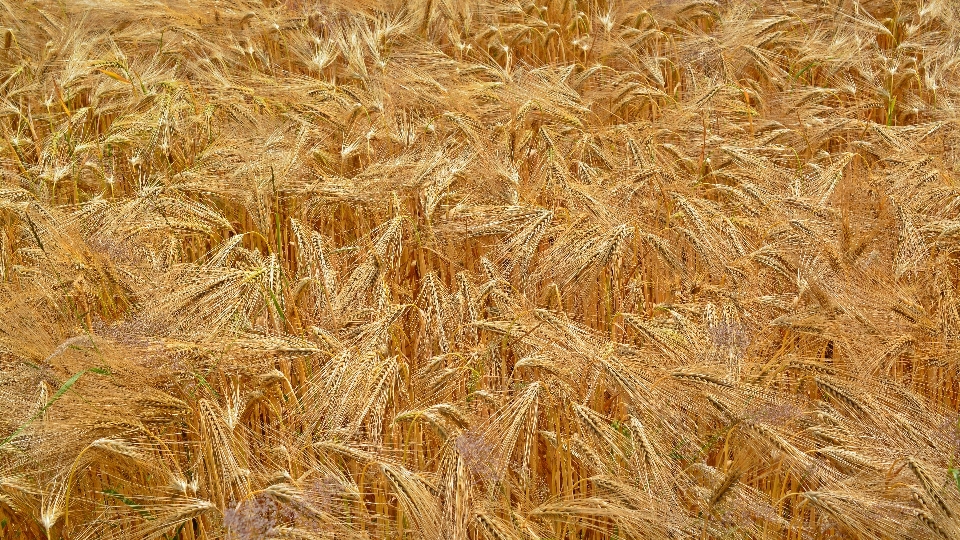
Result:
pixel 468 269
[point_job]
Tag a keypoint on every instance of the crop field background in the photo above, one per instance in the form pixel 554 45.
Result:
pixel 479 269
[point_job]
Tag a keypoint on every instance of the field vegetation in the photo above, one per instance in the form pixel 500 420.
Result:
pixel 479 269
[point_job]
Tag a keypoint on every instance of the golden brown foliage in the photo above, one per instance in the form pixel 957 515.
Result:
pixel 468 269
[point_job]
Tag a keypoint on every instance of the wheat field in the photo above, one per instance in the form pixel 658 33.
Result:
pixel 479 269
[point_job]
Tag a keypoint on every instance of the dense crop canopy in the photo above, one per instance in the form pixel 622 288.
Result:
pixel 469 269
